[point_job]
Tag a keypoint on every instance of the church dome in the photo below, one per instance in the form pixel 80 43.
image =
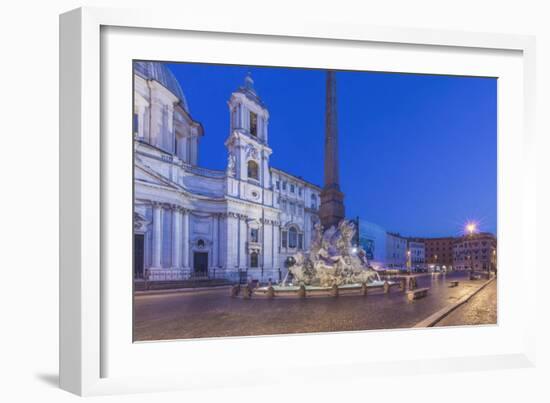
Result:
pixel 159 72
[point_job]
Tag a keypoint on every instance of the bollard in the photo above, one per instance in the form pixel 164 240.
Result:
pixel 235 290
pixel 364 289
pixel 386 287
pixel 270 292
pixel 302 291
pixel 247 292
pixel 403 284
pixel 334 291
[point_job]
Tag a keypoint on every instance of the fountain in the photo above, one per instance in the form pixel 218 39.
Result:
pixel 332 259
pixel 331 264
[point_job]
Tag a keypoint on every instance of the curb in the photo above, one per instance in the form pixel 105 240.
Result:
pixel 432 320
pixel 179 290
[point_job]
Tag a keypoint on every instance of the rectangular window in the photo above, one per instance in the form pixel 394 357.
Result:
pixel 292 238
pixel 253 124
pixel 284 185
pixel 283 239
pixel 135 124
pixel 254 235
pixel 254 259
pixel 300 191
pixel 277 185
pixel 291 188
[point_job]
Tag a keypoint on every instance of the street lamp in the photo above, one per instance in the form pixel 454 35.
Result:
pixel 471 228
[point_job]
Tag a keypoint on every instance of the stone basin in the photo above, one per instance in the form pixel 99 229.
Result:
pixel 311 290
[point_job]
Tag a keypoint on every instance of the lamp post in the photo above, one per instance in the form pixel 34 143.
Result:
pixel 470 229
pixel 409 261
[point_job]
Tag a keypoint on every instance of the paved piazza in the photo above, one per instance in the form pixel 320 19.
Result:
pixel 481 309
pixel 213 313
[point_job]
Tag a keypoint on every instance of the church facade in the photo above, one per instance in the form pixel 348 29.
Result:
pixel 238 224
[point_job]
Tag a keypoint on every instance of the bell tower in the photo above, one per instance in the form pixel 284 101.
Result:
pixel 247 144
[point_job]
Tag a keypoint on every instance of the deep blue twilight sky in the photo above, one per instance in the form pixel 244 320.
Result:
pixel 417 152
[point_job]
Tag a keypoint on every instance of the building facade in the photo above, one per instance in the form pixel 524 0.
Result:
pixel 372 238
pixel 476 252
pixel 439 253
pixel 396 251
pixel 194 222
pixel 416 255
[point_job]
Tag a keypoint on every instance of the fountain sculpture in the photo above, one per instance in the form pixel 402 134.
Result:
pixel 332 260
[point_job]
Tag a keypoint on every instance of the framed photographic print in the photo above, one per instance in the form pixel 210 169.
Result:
pixel 318 196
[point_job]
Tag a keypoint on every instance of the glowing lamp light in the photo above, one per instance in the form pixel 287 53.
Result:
pixel 471 227
pixel 354 250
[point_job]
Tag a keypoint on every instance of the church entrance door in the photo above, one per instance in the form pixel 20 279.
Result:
pixel 138 256
pixel 200 264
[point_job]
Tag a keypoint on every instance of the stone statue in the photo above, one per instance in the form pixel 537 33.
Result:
pixel 332 259
pixel 231 164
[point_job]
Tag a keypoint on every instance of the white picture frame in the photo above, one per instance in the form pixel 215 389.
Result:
pixel 93 349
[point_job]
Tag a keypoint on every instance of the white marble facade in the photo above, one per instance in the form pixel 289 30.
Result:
pixel 191 222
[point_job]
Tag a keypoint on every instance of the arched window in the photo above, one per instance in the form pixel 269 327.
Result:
pixel 253 170
pixel 254 259
pixel 292 237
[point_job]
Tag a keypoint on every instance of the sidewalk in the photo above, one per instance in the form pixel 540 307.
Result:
pixel 481 309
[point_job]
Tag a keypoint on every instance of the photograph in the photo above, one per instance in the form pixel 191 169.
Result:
pixel 276 200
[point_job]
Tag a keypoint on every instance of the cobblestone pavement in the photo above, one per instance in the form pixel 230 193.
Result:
pixel 481 309
pixel 213 313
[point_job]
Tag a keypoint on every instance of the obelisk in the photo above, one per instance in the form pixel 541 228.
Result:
pixel 331 210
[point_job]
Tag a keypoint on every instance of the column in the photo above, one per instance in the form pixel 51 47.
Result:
pixel 266 180
pixel 157 235
pixel 262 255
pixel 273 265
pixel 275 246
pixel 185 239
pixel 215 241
pixel 194 149
pixel 238 226
pixel 155 133
pixel 242 122
pixel 140 120
pixel 222 241
pixel 176 238
pixel 244 241
pixel 230 239
pixel 183 145
pixel 307 229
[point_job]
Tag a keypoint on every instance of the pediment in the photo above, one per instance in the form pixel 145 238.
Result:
pixel 143 173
